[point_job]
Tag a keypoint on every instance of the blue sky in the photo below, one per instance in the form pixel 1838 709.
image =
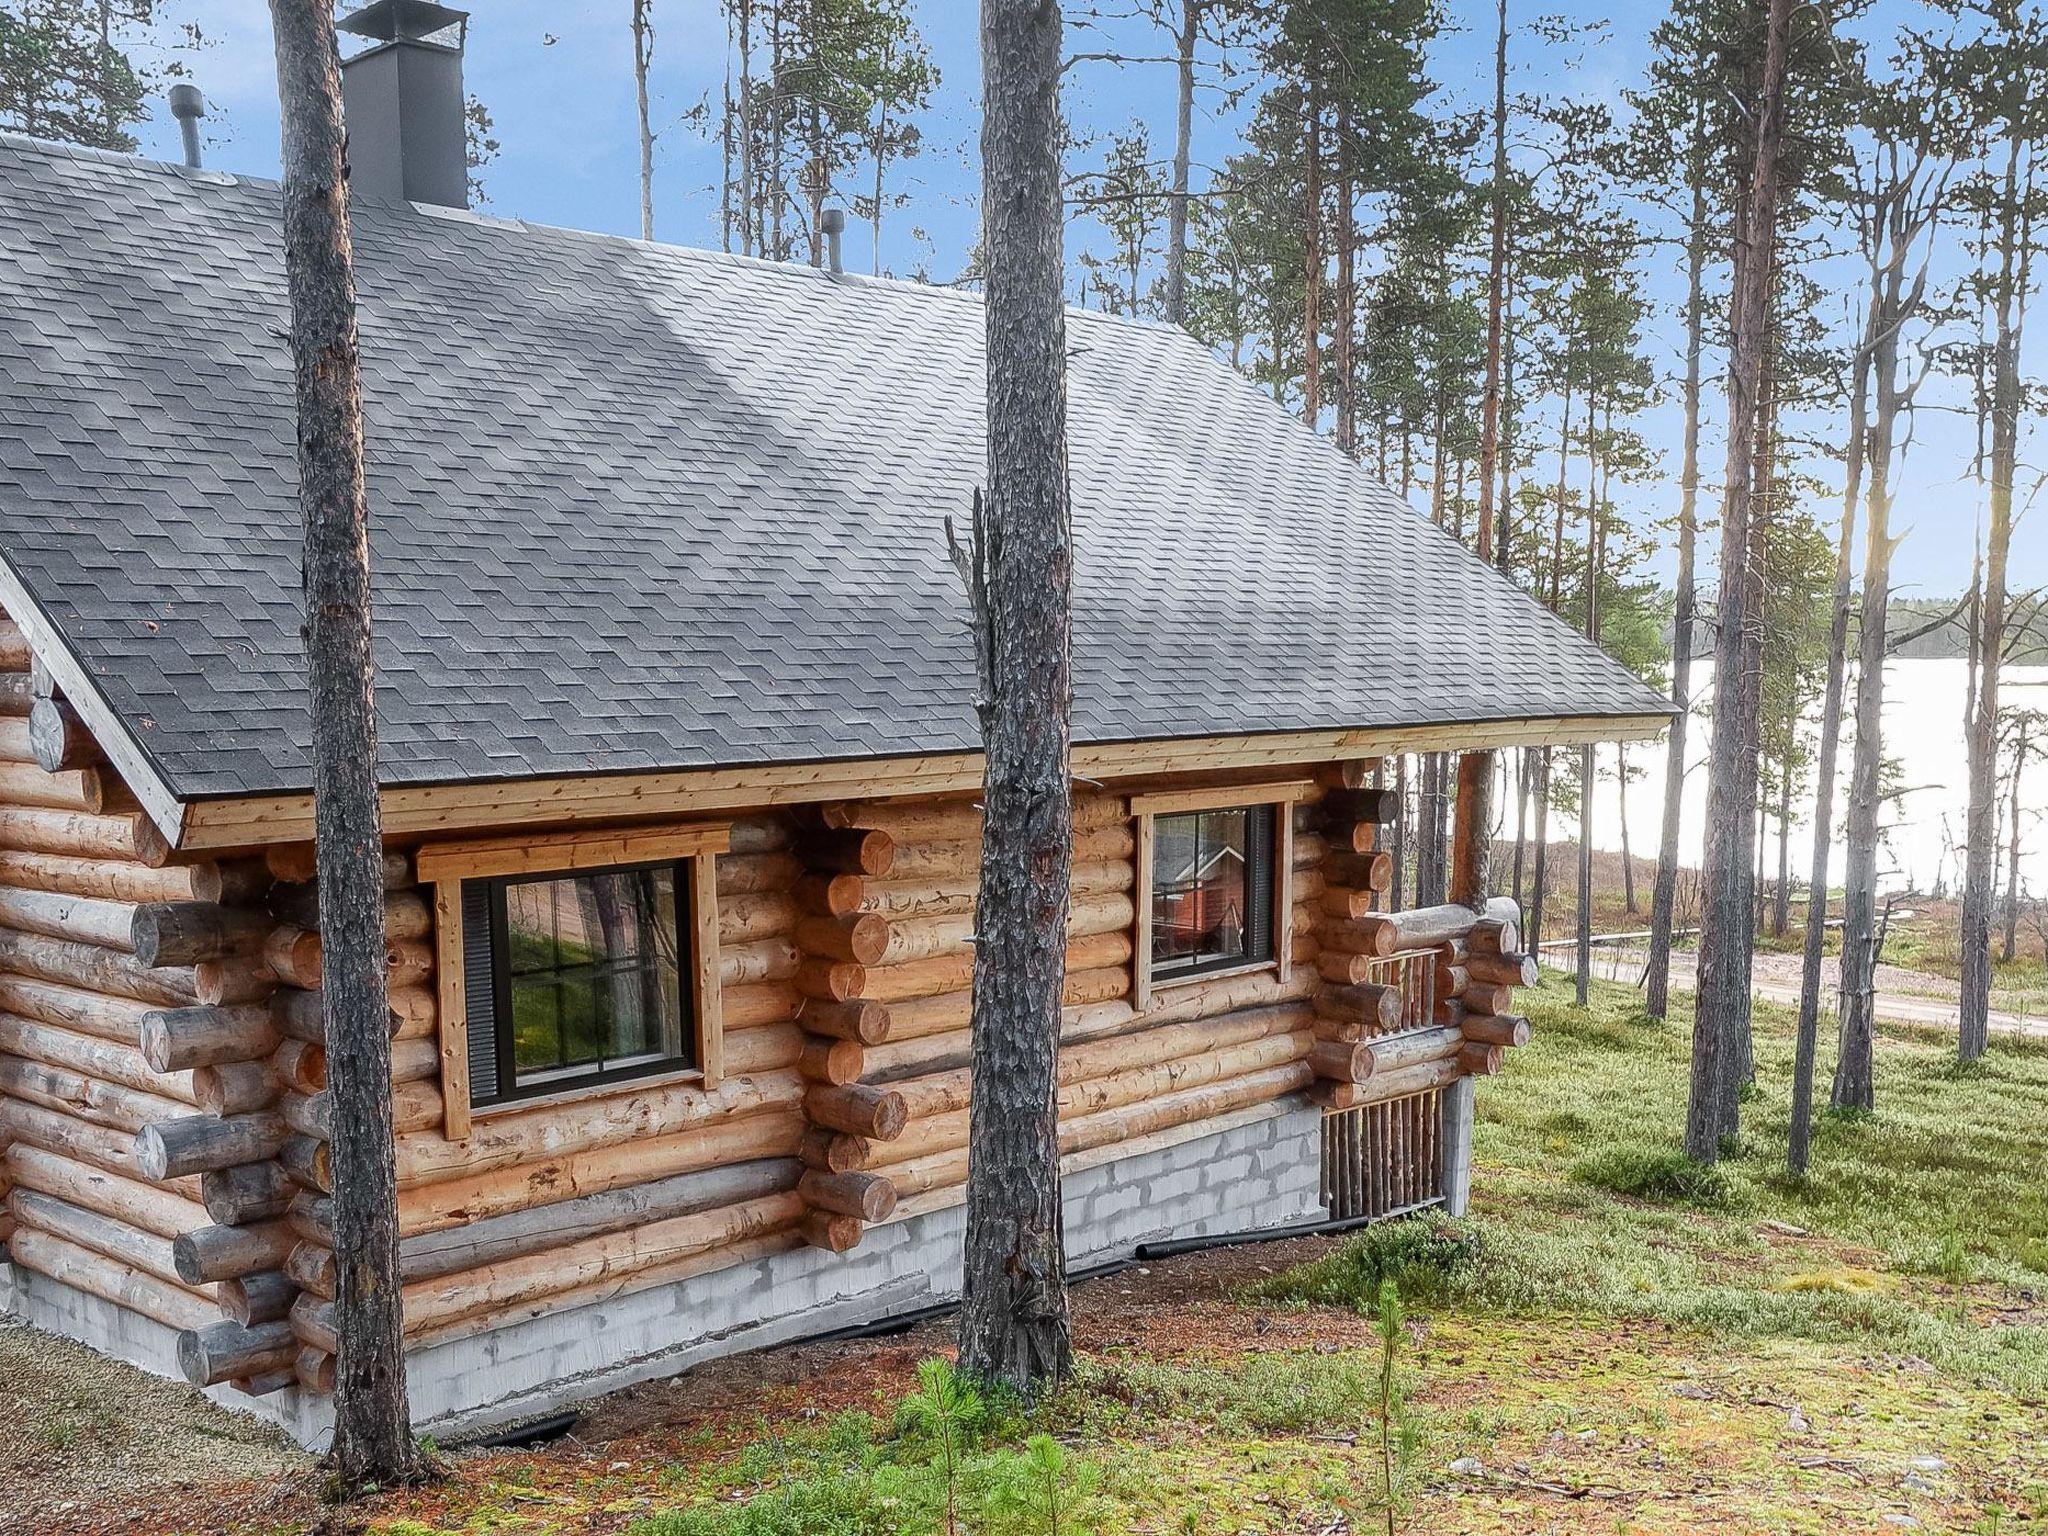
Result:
pixel 557 79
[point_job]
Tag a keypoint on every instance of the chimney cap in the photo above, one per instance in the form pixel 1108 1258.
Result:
pixel 387 21
pixel 186 101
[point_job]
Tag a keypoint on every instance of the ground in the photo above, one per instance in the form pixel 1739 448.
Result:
pixel 1612 1342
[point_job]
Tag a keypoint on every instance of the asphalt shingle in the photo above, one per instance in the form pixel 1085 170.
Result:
pixel 639 507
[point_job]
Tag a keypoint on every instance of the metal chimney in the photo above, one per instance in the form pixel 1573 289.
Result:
pixel 832 222
pixel 188 106
pixel 403 105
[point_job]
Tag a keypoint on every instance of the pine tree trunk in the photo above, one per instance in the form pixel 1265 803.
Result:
pixel 1312 264
pixel 1800 1139
pixel 643 52
pixel 1663 898
pixel 1013 1320
pixel 2009 946
pixel 1539 877
pixel 1584 917
pixel 372 1425
pixel 1722 1001
pixel 1183 150
pixel 1980 857
pixel 1342 358
pixel 1491 549
pixel 1628 863
pixel 1781 911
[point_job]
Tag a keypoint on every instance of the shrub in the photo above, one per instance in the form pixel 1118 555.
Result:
pixel 1428 1258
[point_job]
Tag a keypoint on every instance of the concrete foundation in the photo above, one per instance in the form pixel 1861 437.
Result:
pixel 1258 1168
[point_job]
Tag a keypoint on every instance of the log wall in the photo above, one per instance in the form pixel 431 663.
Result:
pixel 164 1117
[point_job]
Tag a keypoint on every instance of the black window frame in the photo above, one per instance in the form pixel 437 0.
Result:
pixel 505 1064
pixel 1258 883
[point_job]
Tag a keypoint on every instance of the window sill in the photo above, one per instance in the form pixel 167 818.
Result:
pixel 617 1087
pixel 1223 973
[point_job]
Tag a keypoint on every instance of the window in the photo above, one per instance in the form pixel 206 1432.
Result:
pixel 585 979
pixel 1212 890
pixel 570 960
pixel 1211 863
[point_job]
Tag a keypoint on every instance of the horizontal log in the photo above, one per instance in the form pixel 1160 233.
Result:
pixel 228 1253
pixel 92 968
pixel 67 789
pixel 224 1350
pixel 1479 1058
pixel 962 860
pixel 765 960
pixel 1372 935
pixel 739 874
pixel 825 1060
pixel 951 973
pixel 758 915
pixel 1503 970
pixel 1343 969
pixel 253 1300
pixel 315 1370
pixel 1495 934
pixel 176 1039
pixel 57 739
pixel 86 1098
pixel 1370 1004
pixel 61 915
pixel 1376 807
pixel 1488 997
pixel 414 1107
pixel 79 834
pixel 1451 980
pixel 109 1279
pixel 91 1056
pixel 415 1013
pixel 847 850
pixel 617 1263
pixel 303 1067
pixel 834 1151
pixel 876 1113
pixel 547 1132
pixel 246 1193
pixel 147 1207
pixel 857 1019
pixel 56 1131
pixel 295 864
pixel 834 981
pixel 294 958
pixel 1496 1028
pixel 830 1231
pixel 954 820
pixel 861 938
pixel 15 655
pixel 826 895
pixel 406 913
pixel 1384 1086
pixel 171 1149
pixel 235 1087
pixel 97 1231
pixel 186 932
pixel 116 879
pixel 539 1228
pixel 863 1195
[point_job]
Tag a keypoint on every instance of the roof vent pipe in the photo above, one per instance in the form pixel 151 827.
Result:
pixel 401 97
pixel 833 222
pixel 188 106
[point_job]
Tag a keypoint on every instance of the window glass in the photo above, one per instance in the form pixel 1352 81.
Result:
pixel 1211 890
pixel 589 976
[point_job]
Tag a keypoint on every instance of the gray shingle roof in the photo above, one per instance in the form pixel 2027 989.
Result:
pixel 638 507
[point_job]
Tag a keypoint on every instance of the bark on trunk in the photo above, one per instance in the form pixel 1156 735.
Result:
pixel 1013 1322
pixel 643 53
pixel 1183 143
pixel 1496 273
pixel 1664 897
pixel 372 1434
pixel 1726 938
pixel 1980 854
pixel 1800 1140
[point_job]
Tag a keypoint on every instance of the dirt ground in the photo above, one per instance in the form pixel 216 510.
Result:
pixel 1558 1425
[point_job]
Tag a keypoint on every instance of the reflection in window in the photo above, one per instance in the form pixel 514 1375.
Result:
pixel 1212 890
pixel 589 977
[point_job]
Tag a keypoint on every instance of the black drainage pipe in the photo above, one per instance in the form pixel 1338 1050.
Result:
pixel 1172 1247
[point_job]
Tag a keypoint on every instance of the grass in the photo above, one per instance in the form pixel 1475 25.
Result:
pixel 1613 1341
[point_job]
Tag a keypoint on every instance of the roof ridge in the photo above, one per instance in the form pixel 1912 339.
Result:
pixel 783 270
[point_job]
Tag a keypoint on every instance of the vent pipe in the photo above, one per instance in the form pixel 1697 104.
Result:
pixel 408 130
pixel 188 106
pixel 833 222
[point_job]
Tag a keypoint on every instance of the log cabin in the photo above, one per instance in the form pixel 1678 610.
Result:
pixel 678 759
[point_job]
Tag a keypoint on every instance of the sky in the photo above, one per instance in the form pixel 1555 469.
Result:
pixel 557 79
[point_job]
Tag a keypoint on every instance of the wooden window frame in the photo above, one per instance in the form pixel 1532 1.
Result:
pixel 1145 808
pixel 445 866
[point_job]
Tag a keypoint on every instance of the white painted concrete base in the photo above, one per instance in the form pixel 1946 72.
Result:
pixel 1250 1170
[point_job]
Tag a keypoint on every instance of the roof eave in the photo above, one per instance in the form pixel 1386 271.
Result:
pixel 412 811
